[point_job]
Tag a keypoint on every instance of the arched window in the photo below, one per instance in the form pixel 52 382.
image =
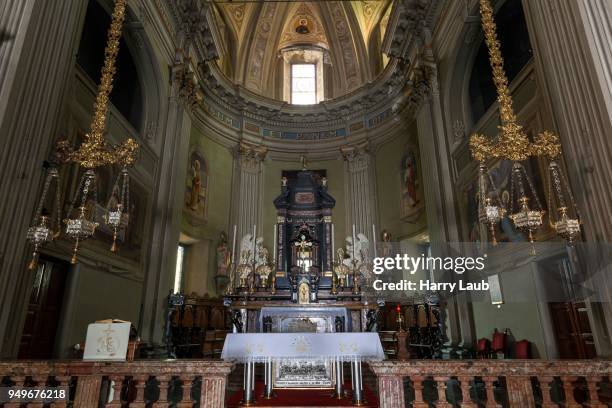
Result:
pixel 303 75
pixel 127 94
pixel 516 51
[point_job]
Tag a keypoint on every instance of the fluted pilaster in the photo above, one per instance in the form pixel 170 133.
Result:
pixel 571 40
pixel 247 191
pixel 37 58
pixel 360 188
pixel 168 205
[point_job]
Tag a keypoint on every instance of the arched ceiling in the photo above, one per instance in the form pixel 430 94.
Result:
pixel 255 32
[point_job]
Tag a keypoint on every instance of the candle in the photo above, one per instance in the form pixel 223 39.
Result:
pixel 354 241
pixel 275 243
pixel 374 238
pixel 333 246
pixel 254 241
pixel 234 246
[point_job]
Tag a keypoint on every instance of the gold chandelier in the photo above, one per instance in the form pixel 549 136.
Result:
pixel 513 144
pixel 93 152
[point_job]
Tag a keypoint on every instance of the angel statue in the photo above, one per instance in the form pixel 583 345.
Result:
pixel 247 244
pixel 361 242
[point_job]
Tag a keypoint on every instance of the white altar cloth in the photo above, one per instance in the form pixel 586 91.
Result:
pixel 265 347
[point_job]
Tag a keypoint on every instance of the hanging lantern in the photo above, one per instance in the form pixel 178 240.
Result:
pixel 44 229
pixel 564 216
pixel 83 224
pixel 490 208
pixel 118 204
pixel 522 193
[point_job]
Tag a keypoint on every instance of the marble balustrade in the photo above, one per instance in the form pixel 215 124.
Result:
pixel 141 383
pixel 493 383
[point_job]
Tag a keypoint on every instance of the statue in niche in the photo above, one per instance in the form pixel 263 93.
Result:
pixel 195 192
pixel 224 256
pixel 196 186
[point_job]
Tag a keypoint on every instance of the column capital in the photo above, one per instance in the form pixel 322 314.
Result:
pixel 250 155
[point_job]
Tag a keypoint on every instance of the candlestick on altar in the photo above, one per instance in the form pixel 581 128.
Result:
pixel 374 238
pixel 354 241
pixel 234 246
pixel 275 243
pixel 333 246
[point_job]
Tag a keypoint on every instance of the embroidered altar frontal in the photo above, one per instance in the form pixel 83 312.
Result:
pixel 281 347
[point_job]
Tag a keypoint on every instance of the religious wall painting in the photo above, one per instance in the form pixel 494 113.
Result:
pixel 500 174
pixel 411 200
pixel 196 189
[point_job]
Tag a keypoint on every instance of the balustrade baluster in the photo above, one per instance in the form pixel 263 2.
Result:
pixel 466 399
pixel 520 391
pixel 545 387
pixel 140 381
pixel 186 401
pixel 490 387
pixel 441 386
pixel 391 391
pixel 117 384
pixel 88 391
pixel 417 384
pixel 594 401
pixel 18 383
pixel 213 392
pixel 163 385
pixel 63 383
pixel 38 381
pixel 568 389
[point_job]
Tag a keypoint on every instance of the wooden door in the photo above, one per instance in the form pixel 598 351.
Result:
pixel 44 310
pixel 573 330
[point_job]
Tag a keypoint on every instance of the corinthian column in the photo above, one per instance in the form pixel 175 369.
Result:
pixel 360 188
pixel 38 42
pixel 247 189
pixel 571 40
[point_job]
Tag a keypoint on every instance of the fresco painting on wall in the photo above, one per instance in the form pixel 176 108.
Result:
pixel 411 205
pixel 196 188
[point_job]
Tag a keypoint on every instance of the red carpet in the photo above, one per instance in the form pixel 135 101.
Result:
pixel 302 398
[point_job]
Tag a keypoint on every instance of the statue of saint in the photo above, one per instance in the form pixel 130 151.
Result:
pixel 196 185
pixel 224 256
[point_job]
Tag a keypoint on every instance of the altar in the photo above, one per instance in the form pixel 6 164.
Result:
pixel 302 313
pixel 305 360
